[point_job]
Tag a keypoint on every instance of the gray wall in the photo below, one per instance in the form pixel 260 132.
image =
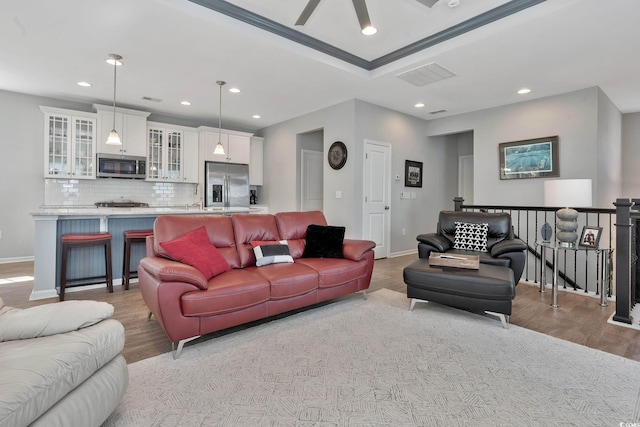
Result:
pixel 312 141
pixel 596 142
pixel 630 181
pixel 353 122
pixel 580 119
pixel 22 169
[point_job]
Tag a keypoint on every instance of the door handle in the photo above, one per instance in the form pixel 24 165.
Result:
pixel 386 208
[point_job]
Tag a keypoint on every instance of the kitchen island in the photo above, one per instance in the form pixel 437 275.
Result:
pixel 52 222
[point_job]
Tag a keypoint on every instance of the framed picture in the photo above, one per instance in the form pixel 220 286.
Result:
pixel 412 173
pixel 590 236
pixel 531 158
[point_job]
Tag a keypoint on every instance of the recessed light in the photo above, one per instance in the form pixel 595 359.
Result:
pixel 256 116
pixel 185 103
pixel 234 90
pixel 524 91
pixel 83 84
pixel 419 105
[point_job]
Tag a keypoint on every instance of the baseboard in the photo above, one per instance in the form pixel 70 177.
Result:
pixel 403 253
pixel 49 293
pixel 53 293
pixel 16 259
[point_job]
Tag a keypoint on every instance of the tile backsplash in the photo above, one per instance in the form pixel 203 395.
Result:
pixel 86 192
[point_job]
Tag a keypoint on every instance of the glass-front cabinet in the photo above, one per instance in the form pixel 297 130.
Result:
pixel 69 143
pixel 164 154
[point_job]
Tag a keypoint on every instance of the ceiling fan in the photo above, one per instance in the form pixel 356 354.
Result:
pixel 360 7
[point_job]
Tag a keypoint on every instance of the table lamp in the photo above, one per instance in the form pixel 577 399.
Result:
pixel 572 193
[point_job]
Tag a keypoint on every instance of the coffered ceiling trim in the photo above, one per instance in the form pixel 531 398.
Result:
pixel 266 24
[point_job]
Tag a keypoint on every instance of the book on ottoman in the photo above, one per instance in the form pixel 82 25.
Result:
pixel 458 260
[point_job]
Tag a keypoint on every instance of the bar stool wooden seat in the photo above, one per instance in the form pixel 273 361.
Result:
pixel 131 237
pixel 76 240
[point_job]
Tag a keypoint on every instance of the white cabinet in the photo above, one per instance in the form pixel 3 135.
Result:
pixel 237 146
pixel 256 164
pixel 69 143
pixel 131 126
pixel 172 153
pixel 190 162
pixel 164 148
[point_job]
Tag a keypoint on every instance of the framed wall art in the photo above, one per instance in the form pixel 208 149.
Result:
pixel 412 174
pixel 531 158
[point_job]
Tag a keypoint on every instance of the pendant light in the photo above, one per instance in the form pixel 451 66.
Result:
pixel 219 148
pixel 114 138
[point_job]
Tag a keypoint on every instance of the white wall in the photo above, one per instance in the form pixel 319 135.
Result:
pixel 574 117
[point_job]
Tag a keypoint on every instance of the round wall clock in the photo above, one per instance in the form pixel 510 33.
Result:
pixel 337 155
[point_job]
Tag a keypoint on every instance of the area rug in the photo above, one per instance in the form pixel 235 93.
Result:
pixel 373 362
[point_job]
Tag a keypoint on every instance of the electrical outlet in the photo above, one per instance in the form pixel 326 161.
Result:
pixel 404 231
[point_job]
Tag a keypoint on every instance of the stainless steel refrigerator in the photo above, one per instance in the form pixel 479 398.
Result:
pixel 226 185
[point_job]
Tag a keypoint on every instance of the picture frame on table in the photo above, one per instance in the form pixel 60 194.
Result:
pixel 590 237
pixel 530 158
pixel 412 173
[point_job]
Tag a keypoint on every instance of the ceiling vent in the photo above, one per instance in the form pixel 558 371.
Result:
pixel 148 98
pixel 426 74
pixel 437 111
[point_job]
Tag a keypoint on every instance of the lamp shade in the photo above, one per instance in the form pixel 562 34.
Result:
pixel 574 193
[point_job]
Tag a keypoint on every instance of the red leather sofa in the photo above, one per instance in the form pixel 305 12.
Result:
pixel 187 305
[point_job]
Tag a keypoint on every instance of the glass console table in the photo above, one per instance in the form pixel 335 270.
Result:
pixel 603 280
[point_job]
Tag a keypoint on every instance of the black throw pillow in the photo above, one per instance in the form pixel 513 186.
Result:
pixel 324 242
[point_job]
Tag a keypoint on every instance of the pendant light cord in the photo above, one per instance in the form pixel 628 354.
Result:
pixel 115 67
pixel 220 115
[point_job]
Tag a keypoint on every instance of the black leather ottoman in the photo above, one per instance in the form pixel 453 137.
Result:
pixel 490 288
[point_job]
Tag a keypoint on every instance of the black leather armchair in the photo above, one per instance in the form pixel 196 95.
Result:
pixel 502 248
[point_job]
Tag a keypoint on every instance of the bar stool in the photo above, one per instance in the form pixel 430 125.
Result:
pixel 131 237
pixel 85 240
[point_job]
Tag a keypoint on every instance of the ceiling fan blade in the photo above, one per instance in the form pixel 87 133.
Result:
pixel 306 13
pixel 363 14
pixel 428 3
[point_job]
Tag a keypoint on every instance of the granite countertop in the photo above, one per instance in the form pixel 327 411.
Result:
pixel 137 211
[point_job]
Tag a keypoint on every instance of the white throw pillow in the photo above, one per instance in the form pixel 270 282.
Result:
pixel 51 319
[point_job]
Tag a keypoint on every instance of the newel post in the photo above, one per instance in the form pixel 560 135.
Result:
pixel 457 203
pixel 623 261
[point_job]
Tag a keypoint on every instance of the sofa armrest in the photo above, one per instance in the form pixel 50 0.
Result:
pixel 505 246
pixel 167 270
pixel 440 243
pixel 355 249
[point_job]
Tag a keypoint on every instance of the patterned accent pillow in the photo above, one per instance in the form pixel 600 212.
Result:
pixel 471 237
pixel 271 252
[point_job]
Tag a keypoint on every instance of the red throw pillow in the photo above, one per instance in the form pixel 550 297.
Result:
pixel 195 249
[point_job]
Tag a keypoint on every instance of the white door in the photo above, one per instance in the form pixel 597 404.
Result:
pixel 377 195
pixel 465 179
pixel 311 177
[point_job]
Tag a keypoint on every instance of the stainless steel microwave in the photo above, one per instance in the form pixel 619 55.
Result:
pixel 115 166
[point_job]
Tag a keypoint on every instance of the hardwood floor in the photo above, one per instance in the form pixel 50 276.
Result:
pixel 579 318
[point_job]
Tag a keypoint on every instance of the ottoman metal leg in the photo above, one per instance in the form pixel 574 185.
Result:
pixel 503 318
pixel 414 301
